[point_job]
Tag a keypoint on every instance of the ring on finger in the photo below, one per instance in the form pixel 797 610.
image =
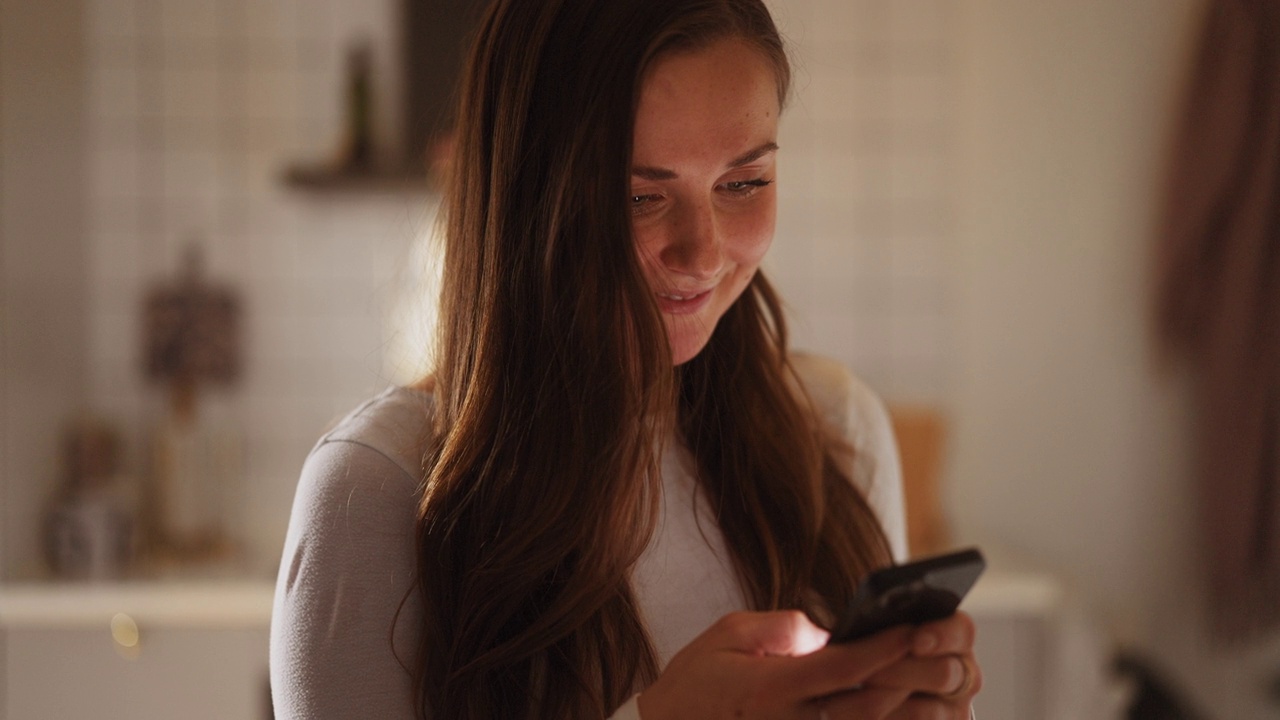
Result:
pixel 967 679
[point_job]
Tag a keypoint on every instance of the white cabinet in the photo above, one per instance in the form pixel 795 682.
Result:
pixel 189 674
pixel 1042 658
pixel 1012 654
pixel 201 653
pixel 1013 613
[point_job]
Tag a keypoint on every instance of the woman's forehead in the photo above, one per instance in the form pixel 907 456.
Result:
pixel 720 101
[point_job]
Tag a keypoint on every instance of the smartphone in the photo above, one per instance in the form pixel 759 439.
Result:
pixel 915 593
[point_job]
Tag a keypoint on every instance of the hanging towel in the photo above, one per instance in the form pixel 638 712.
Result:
pixel 1218 304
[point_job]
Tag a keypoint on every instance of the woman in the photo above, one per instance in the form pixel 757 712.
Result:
pixel 617 493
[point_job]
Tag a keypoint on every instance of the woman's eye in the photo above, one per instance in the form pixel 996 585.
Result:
pixel 640 204
pixel 746 187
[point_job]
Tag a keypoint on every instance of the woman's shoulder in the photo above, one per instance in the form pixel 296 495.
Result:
pixel 843 400
pixel 365 472
pixel 349 566
pixel 395 424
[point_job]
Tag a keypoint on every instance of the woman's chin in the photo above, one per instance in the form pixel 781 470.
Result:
pixel 685 349
pixel 687 335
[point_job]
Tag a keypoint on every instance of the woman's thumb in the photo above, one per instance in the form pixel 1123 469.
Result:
pixel 783 632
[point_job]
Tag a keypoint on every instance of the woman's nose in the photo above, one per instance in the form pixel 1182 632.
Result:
pixel 695 248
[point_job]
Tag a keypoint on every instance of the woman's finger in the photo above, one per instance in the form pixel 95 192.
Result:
pixel 923 707
pixel 783 632
pixel 775 665
pixel 864 704
pixel 971 682
pixel 941 675
pixel 743 662
pixel 842 666
pixel 949 636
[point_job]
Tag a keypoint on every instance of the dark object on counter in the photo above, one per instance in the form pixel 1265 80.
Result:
pixel 357 151
pixel 192 329
pixel 89 527
pixel 1155 697
pixel 193 340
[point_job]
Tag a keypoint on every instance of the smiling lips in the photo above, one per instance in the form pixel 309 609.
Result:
pixel 685 303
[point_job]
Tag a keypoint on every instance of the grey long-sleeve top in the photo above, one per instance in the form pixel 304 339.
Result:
pixel 347 617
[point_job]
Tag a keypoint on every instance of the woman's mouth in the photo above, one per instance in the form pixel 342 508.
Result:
pixel 683 303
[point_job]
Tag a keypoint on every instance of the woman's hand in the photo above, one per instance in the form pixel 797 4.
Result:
pixel 938 678
pixel 777 665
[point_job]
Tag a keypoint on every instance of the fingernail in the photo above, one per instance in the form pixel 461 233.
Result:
pixel 925 642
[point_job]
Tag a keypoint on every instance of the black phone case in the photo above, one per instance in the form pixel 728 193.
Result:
pixel 915 593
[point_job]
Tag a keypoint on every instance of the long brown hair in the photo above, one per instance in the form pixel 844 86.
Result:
pixel 554 384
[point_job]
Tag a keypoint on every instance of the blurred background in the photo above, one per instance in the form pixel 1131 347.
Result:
pixel 215 240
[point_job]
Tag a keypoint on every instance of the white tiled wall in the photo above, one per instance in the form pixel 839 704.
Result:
pixel 196 107
pixel 43 263
pixel 865 225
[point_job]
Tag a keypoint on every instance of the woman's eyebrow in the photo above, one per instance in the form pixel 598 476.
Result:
pixel 753 155
pixel 646 172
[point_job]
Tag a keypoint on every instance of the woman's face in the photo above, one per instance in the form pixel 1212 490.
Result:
pixel 703 200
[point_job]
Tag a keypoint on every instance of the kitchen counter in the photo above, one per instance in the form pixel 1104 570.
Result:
pixel 156 603
pixel 247 603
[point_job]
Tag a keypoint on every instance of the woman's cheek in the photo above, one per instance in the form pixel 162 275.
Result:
pixel 754 237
